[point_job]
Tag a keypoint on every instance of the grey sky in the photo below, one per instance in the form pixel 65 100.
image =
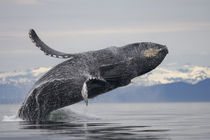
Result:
pixel 81 25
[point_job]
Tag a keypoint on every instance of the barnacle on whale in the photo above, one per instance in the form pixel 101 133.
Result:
pixel 151 52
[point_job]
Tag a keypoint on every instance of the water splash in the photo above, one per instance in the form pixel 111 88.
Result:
pixel 71 115
pixel 12 118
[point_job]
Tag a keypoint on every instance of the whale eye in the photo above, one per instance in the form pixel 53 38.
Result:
pixel 150 52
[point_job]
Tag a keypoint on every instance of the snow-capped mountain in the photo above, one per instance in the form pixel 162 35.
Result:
pixel 161 75
pixel 18 77
pixel 173 73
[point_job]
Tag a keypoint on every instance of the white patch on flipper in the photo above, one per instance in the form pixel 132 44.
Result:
pixel 66 56
pixel 85 93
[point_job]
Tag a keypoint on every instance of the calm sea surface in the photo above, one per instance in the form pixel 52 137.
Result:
pixel 151 121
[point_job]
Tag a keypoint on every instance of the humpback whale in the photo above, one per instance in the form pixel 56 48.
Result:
pixel 86 75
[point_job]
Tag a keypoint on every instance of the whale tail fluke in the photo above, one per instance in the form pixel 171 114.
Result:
pixel 46 49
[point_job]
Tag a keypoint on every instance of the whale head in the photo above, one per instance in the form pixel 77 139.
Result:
pixel 149 56
pixel 145 56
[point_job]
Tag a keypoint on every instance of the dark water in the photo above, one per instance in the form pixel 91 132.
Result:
pixel 113 121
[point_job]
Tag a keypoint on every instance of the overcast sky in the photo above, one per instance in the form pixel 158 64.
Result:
pixel 82 25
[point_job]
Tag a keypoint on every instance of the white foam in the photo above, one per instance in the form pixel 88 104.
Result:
pixel 12 118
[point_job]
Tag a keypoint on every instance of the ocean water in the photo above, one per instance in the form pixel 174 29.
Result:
pixel 176 121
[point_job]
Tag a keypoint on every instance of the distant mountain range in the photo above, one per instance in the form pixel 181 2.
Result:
pixel 173 92
pixel 164 84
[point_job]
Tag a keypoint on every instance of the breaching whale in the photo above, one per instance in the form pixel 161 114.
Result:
pixel 86 75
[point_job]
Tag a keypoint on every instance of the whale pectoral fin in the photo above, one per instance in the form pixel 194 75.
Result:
pixel 96 86
pixel 93 87
pixel 46 49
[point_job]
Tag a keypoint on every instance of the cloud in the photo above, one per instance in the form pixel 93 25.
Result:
pixel 204 53
pixel 26 2
pixel 18 52
pixel 11 34
pixel 144 28
pixel 153 28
